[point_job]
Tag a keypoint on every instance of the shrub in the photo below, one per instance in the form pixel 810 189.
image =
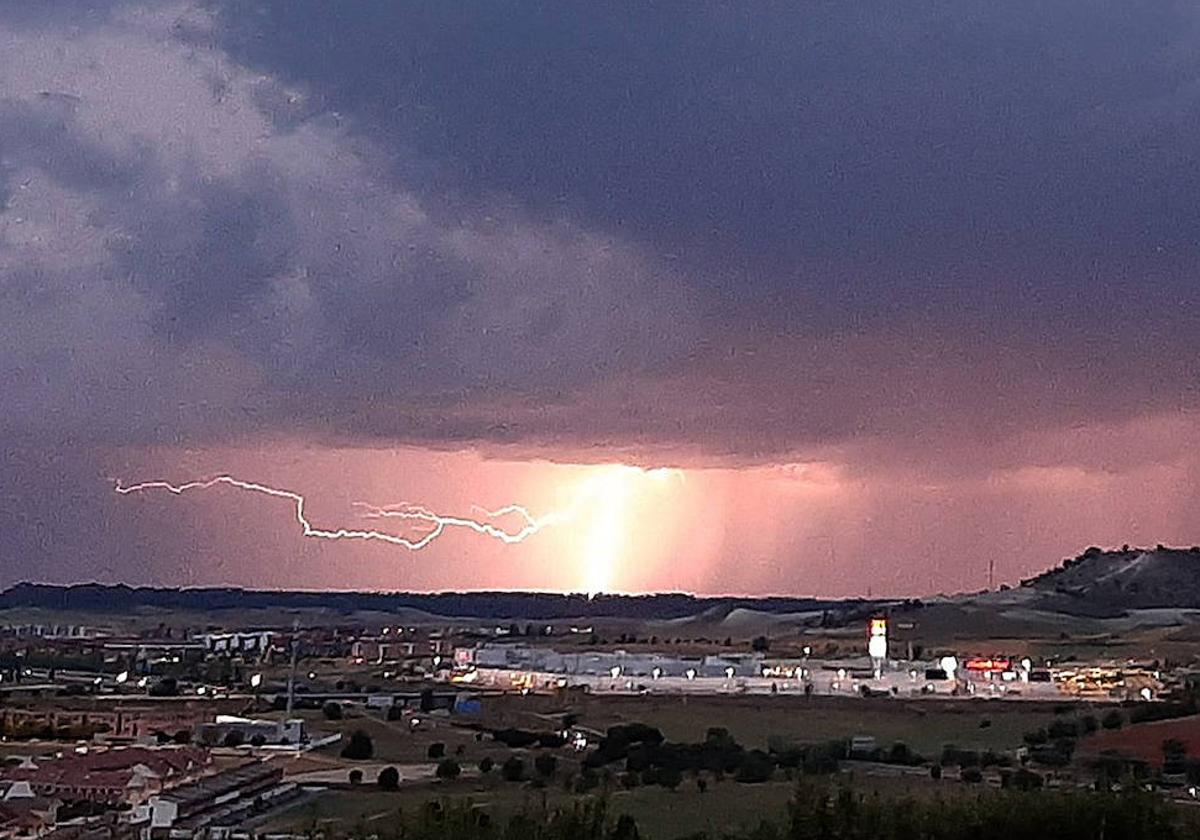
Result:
pixel 935 772
pixel 233 738
pixel 513 769
pixel 545 764
pixel 436 750
pixel 356 776
pixel 550 740
pixel 1062 729
pixel 486 764
pixel 756 768
pixel 389 779
pixel 901 754
pixel 1112 720
pixel 360 747
pixel 515 738
pixel 972 775
pixel 333 711
pixel 448 769
pixel 669 777
pixel 1089 723
pixel 625 829
pixel 1026 780
pixel 589 780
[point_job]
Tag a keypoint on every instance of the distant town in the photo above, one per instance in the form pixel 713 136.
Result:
pixel 155 724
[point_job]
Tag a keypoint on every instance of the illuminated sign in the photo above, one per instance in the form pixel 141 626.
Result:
pixel 988 665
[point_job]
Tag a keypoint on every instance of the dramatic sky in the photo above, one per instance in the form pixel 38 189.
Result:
pixel 797 297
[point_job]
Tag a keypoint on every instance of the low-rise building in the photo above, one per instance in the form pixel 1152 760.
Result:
pixel 124 776
pixel 223 798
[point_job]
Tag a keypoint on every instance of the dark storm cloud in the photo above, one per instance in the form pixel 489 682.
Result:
pixel 402 217
pixel 798 130
pixel 933 244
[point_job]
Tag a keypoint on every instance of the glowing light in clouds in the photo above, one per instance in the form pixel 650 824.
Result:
pixel 608 494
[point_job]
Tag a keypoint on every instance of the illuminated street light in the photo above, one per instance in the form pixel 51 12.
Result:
pixel 656 673
pixel 122 678
pixel 616 671
pixel 256 681
pixel 690 673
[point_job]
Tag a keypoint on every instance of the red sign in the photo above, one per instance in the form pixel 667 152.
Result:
pixel 989 664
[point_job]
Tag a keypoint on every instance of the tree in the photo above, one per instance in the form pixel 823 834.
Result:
pixel 756 768
pixel 448 769
pixel 360 747
pixel 760 644
pixel 935 772
pixel 513 769
pixel 356 776
pixel 333 711
pixel 1026 780
pixel 1112 720
pixel 625 829
pixel 427 701
pixel 436 750
pixel 669 777
pixel 545 764
pixel 1174 756
pixel 389 779
pixel 486 764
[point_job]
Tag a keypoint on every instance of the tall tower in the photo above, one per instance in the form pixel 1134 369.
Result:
pixel 877 645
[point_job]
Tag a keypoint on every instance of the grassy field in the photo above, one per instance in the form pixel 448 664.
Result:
pixel 925 726
pixel 661 814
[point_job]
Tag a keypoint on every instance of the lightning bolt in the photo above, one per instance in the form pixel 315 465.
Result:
pixel 436 523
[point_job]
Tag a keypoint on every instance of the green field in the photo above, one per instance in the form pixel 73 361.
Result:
pixel 925 725
pixel 660 813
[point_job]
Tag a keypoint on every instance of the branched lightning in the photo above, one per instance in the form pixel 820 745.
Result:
pixel 436 523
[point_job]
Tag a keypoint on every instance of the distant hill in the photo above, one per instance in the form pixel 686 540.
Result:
pixel 100 598
pixel 1099 582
